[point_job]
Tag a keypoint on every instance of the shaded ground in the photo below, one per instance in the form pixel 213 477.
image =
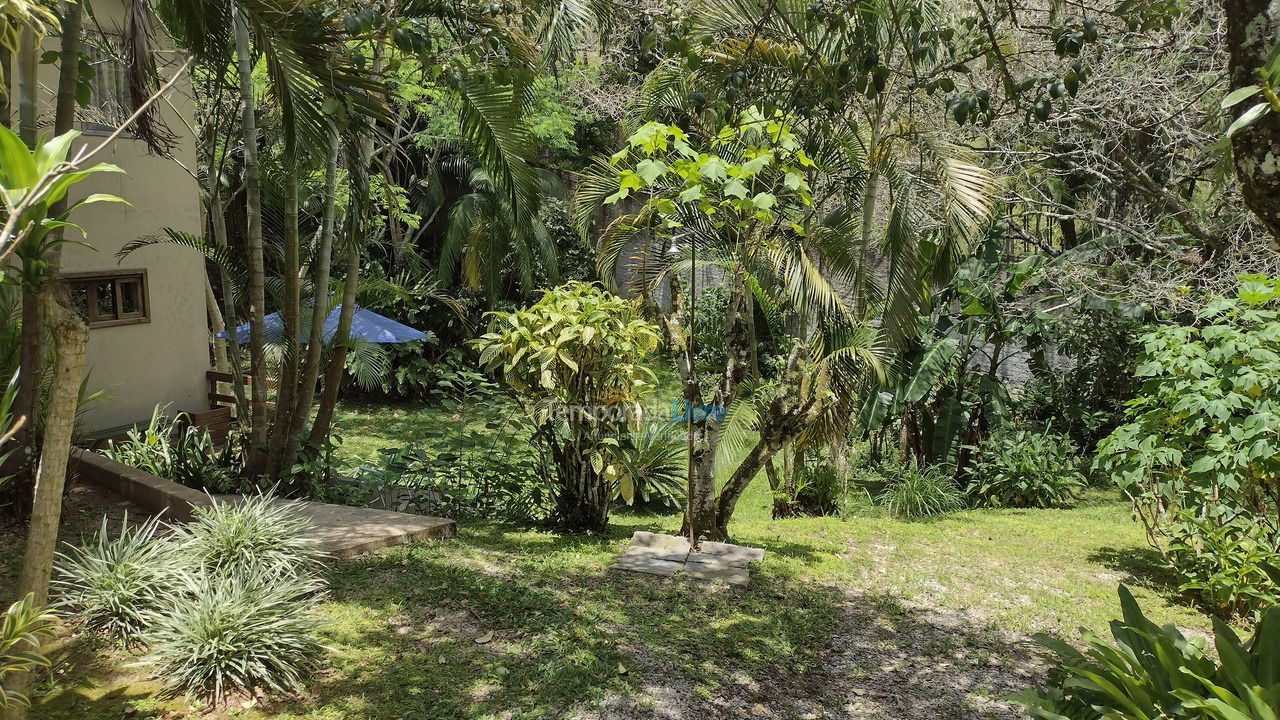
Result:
pixel 865 617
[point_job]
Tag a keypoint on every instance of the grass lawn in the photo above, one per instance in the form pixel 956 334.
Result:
pixel 862 617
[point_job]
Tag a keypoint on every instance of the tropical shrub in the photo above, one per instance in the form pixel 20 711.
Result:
pixel 436 368
pixel 651 464
pixel 918 492
pixel 257 535
pixel 1199 447
pixel 805 485
pixel 119 585
pixel 573 361
pixel 1156 672
pixel 243 632
pixel 951 394
pixel 170 447
pixel 1226 565
pixel 23 627
pixel 1023 468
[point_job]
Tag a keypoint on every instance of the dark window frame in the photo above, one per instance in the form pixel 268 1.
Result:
pixel 91 280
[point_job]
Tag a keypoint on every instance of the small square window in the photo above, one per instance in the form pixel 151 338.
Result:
pixel 110 298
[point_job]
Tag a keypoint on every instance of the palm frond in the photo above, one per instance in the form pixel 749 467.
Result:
pixel 490 122
pixel 226 258
pixel 368 363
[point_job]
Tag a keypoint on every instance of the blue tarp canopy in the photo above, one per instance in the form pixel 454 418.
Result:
pixel 366 325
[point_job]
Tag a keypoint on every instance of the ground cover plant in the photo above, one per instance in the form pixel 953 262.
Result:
pixel 1154 671
pixel 223 606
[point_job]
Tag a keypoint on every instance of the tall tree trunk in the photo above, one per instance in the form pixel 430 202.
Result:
pixel 1253 28
pixel 288 375
pixel 6 72
pixel 218 219
pixel 28 87
pixel 24 404
pixel 359 226
pixel 306 390
pixel 32 352
pixel 253 249
pixel 70 336
pixel 341 345
pixel 217 326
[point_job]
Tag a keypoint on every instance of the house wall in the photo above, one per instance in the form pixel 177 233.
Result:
pixel 164 360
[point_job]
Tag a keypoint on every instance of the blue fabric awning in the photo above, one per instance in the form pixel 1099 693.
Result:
pixel 366 325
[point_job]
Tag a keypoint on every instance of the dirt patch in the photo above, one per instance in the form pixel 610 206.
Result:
pixel 888 661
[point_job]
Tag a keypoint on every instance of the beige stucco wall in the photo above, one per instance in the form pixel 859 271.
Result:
pixel 164 360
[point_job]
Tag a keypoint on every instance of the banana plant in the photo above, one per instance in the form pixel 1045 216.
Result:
pixel 950 393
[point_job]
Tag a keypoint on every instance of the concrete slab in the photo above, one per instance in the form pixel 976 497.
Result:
pixel 666 555
pixel 731 552
pixel 644 563
pixel 344 531
pixel 678 544
pixel 712 570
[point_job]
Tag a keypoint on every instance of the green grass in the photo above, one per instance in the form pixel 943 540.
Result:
pixel 522 623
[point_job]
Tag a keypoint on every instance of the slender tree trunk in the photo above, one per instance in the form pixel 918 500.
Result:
pixel 359 232
pixel 24 404
pixel 218 218
pixel 341 345
pixel 288 375
pixel 217 327
pixel 28 87
pixel 742 476
pixel 70 336
pixel 306 390
pixel 870 193
pixel 6 72
pixel 253 246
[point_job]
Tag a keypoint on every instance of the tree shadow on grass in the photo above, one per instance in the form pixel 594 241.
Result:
pixel 89 680
pixel 543 628
pixel 1142 567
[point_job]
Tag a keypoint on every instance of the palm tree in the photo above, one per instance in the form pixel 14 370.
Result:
pixel 893 205
pixel 487 237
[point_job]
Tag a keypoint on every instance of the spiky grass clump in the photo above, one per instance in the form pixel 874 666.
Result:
pixel 258 535
pixel 920 493
pixel 118 585
pixel 237 633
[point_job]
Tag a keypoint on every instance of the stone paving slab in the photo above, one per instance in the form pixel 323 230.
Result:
pixel 718 571
pixel 658 553
pixel 645 563
pixel 667 555
pixel 728 550
pixel 640 538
